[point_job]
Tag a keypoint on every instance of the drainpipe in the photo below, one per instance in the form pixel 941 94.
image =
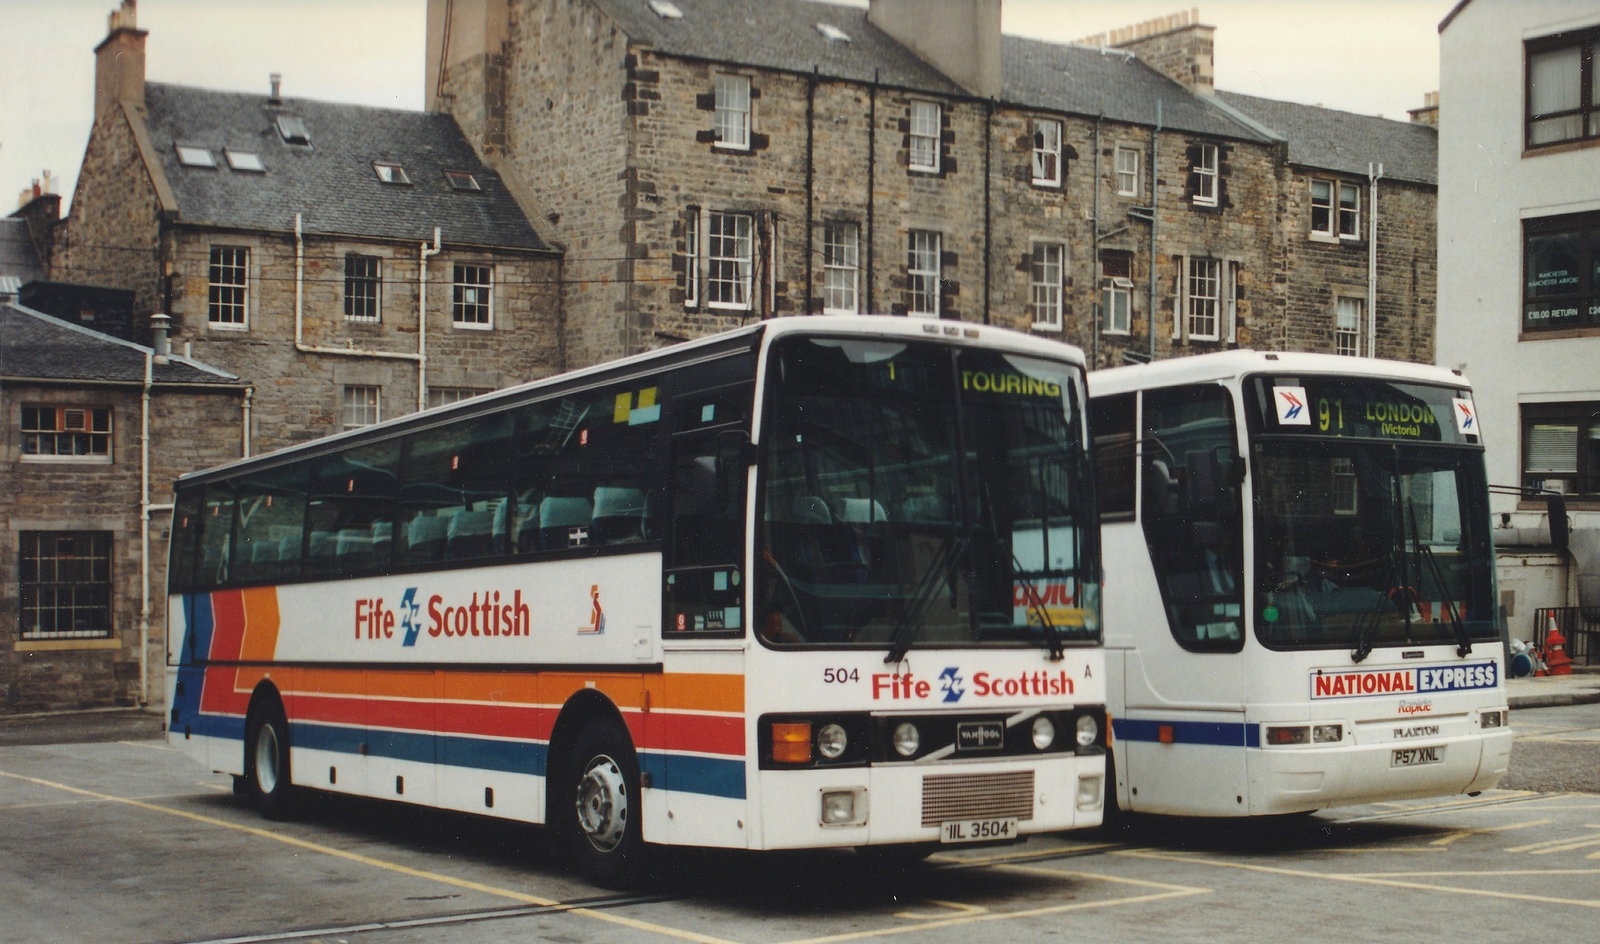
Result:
pixel 1155 212
pixel 144 518
pixel 872 166
pixel 244 445
pixel 1374 174
pixel 422 318
pixel 300 320
pixel 1094 252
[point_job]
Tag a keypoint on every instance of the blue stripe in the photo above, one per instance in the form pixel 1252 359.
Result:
pixel 1211 733
pixel 707 775
pixel 704 775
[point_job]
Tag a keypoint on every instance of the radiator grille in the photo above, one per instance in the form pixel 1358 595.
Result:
pixel 977 796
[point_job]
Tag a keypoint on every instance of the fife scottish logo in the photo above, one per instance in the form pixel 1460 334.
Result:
pixel 410 617
pixel 950 683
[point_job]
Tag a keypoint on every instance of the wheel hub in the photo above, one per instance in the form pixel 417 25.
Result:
pixel 602 804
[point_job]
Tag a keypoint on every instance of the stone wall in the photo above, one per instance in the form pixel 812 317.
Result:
pixel 189 429
pixel 113 235
pixel 298 394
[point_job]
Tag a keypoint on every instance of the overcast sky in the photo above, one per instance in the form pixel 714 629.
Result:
pixel 1370 57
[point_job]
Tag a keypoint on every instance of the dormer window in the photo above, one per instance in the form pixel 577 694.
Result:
pixel 244 160
pixel 833 34
pixel 665 10
pixel 390 172
pixel 190 156
pixel 292 129
pixel 461 180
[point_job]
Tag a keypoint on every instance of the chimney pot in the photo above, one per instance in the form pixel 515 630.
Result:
pixel 276 79
pixel 160 328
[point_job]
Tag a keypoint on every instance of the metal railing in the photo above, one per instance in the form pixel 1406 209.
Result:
pixel 1583 635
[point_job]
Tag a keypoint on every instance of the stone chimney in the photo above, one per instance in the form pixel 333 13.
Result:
pixel 960 38
pixel 1177 46
pixel 119 60
pixel 1428 114
pixel 40 210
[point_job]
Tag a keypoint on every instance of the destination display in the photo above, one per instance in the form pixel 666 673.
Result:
pixel 1361 408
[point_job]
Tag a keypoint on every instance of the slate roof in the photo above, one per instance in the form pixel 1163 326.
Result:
pixel 35 346
pixel 779 34
pixel 331 182
pixel 1341 141
pixel 783 35
pixel 1085 80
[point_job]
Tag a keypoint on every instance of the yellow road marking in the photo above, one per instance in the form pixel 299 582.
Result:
pixel 955 906
pixel 1376 878
pixel 1452 836
pixel 1560 844
pixel 450 880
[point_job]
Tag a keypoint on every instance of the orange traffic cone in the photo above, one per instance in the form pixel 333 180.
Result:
pixel 1555 651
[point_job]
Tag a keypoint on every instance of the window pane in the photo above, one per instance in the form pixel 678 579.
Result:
pixel 64 584
pixel 1554 80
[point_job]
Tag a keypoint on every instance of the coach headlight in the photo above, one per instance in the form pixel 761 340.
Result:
pixel 1088 731
pixel 1044 733
pixel 907 739
pixel 832 741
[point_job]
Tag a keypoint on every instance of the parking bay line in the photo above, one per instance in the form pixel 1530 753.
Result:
pixel 450 880
pixel 1377 878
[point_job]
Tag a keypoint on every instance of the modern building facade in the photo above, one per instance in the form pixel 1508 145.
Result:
pixel 1519 279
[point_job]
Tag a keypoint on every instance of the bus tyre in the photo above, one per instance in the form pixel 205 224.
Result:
pixel 266 759
pixel 600 806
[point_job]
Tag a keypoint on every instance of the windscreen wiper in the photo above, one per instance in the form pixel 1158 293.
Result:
pixel 939 569
pixel 1052 636
pixel 1463 641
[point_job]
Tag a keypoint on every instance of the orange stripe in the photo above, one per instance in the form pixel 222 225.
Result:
pixel 687 692
pixel 260 641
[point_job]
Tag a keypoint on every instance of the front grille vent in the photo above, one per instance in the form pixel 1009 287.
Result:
pixel 949 797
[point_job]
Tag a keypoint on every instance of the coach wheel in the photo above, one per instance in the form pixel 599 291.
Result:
pixel 603 831
pixel 266 759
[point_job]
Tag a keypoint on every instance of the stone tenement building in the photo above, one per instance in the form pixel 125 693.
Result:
pixel 706 162
pixel 96 429
pixel 349 263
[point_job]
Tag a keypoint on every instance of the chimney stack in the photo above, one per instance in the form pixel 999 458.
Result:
pixel 1177 46
pixel 276 98
pixel 960 38
pixel 160 328
pixel 119 60
pixel 1428 114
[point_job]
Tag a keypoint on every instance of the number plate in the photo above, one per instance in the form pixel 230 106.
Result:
pixel 1415 756
pixel 978 830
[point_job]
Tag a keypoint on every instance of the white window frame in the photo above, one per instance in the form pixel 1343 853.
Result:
pixel 691 258
pixel 1348 215
pixel 927 120
pixel 1126 168
pixel 1347 335
pixel 1116 302
pixel 465 299
pixel 374 281
pixel 224 309
pixel 1046 152
pixel 923 275
pixel 74 426
pixel 1206 174
pixel 193 155
pixel 730 260
pixel 360 405
pixel 841 267
pixel 1047 268
pixel 732 111
pixel 1202 292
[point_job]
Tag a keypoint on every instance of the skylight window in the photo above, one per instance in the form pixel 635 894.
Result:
pixel 390 172
pixel 244 160
pixel 190 156
pixel 461 180
pixel 292 129
pixel 665 10
pixel 833 33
